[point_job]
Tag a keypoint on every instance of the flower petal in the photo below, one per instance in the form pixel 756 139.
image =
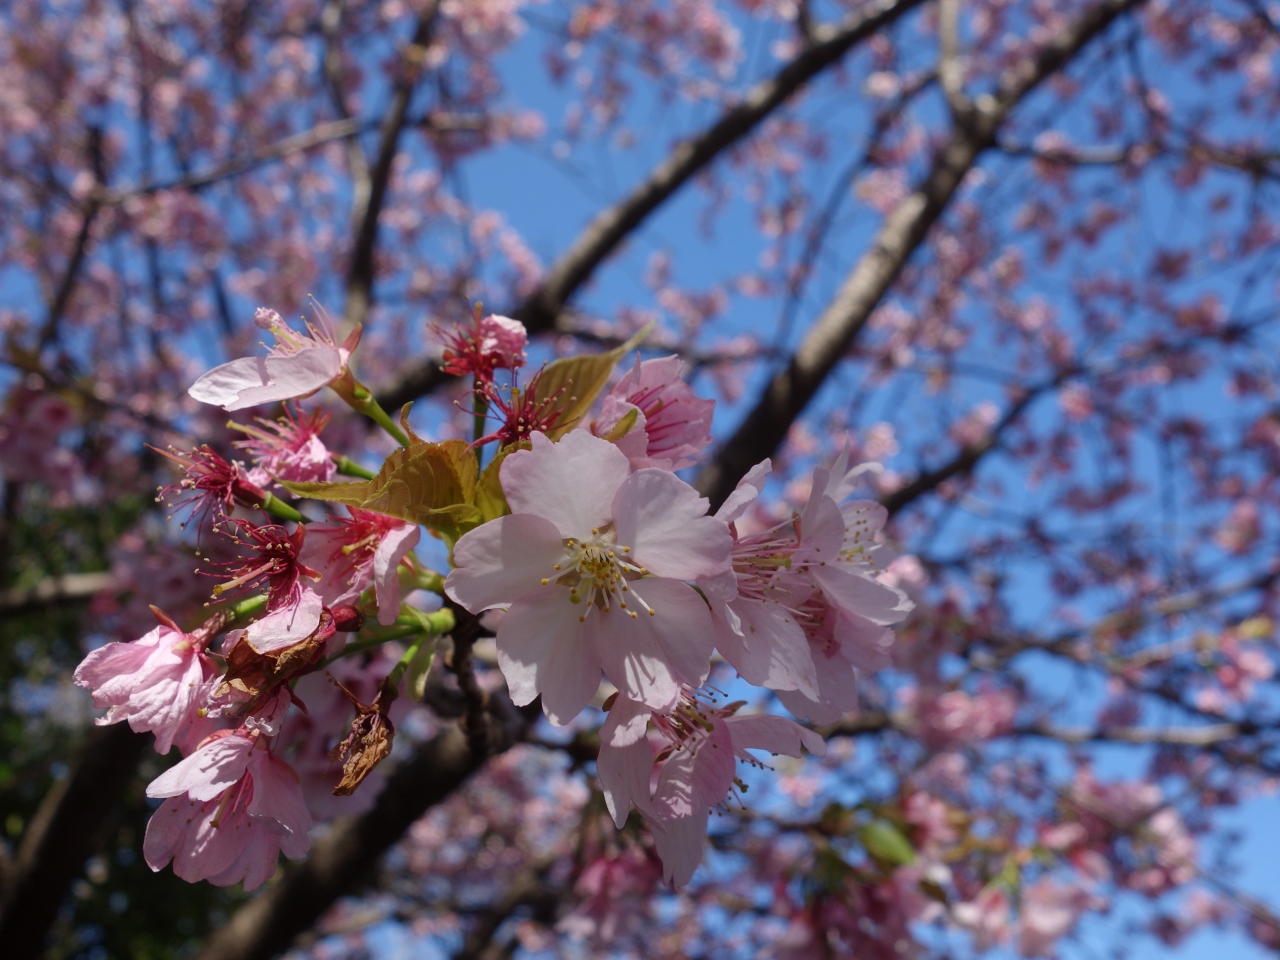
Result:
pixel 665 523
pixel 543 649
pixel 399 540
pixel 863 596
pixel 207 772
pixel 503 560
pixel 648 657
pixel 745 493
pixel 766 731
pixel 571 483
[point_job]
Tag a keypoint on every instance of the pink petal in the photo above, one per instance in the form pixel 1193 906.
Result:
pixel 500 561
pixel 258 854
pixel 207 772
pixel 297 375
pixel 399 540
pixel 543 649
pixel 624 777
pixel 863 596
pixel 769 649
pixel 680 844
pixel 665 523
pixel 649 657
pixel 745 493
pixel 777 735
pixel 278 804
pixel 626 723
pixel 570 483
pixel 286 626
pixel 111 671
pixel 223 385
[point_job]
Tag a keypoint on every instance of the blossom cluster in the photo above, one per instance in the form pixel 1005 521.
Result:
pixel 617 587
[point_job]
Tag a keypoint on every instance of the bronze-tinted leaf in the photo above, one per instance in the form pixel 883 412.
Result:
pixel 579 381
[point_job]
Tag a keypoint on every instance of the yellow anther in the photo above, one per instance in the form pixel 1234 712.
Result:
pixel 545 581
pixel 653 613
pixel 556 567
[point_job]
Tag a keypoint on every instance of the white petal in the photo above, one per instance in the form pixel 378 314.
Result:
pixel 765 731
pixel 543 649
pixel 503 560
pixel 863 596
pixel 570 483
pixel 665 523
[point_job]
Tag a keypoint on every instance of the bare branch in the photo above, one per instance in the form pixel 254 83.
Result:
pixel 62 836
pixel 902 232
pixel 609 229
pixel 360 272
pixel 317 136
pixel 343 859
pixel 950 62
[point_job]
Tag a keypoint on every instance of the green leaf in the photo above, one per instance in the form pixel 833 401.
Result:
pixel 579 381
pixel 490 500
pixel 886 843
pixel 415 677
pixel 623 426
pixel 428 483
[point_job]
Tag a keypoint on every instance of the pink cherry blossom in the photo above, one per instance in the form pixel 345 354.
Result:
pixel 696 768
pixel 157 683
pixel 297 366
pixel 802 608
pixel 592 560
pixel 231 808
pixel 289 448
pixel 274 562
pixel 490 343
pixel 672 424
pixel 353 552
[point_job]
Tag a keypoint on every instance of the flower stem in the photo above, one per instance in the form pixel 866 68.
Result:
pixel 349 468
pixel 360 399
pixel 278 508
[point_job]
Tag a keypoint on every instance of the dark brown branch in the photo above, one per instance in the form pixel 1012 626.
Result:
pixel 360 272
pixel 610 228
pixel 902 232
pixel 317 136
pixel 62 836
pixel 345 857
pixel 528 889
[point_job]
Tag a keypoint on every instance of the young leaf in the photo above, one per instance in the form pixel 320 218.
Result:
pixel 428 483
pixel 580 380
pixel 886 843
pixel 490 500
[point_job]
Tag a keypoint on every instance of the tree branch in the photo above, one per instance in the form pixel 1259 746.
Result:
pixel 360 272
pixel 63 834
pixel 610 228
pixel 343 859
pixel 903 231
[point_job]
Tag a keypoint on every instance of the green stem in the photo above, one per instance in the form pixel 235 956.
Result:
pixel 430 580
pixel 278 508
pixel 478 409
pixel 359 398
pixel 349 468
pixel 410 623
pixel 246 608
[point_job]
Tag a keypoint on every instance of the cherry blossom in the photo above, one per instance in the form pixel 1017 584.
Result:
pixel 297 366
pixel 672 425
pixel 289 448
pixel 230 809
pixel 491 343
pixel 695 768
pixel 593 579
pixel 352 553
pixel 157 683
